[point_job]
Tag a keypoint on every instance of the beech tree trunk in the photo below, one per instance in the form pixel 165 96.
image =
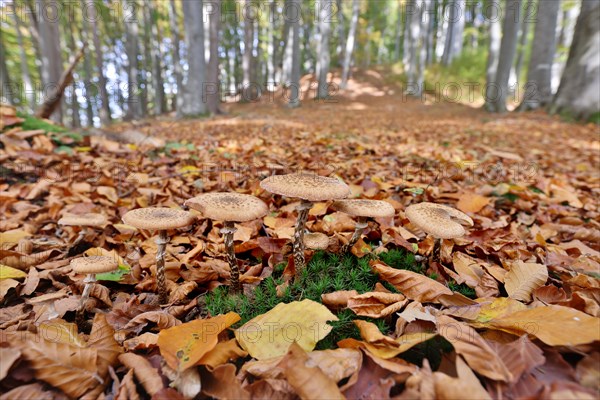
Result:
pixel 497 90
pixel 160 105
pixel 29 97
pixel 104 108
pixel 326 7
pixel 6 89
pixel 248 92
pixel 178 69
pixel 50 49
pixel 538 88
pixel 193 101
pixel 579 90
pixel 350 44
pixel 294 14
pixel 213 97
pixel 456 26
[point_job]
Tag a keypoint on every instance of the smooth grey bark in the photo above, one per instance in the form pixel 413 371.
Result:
pixel 213 97
pixel 134 100
pixel 160 104
pixel 456 26
pixel 271 48
pixel 26 76
pixel 323 48
pixel 75 120
pixel 248 91
pixel 87 67
pixel 193 100
pixel 177 68
pixel 52 67
pixel 497 89
pixel 417 45
pixel 6 89
pixel 579 90
pixel 341 32
pixel 104 108
pixel 523 40
pixel 294 14
pixel 286 56
pixel 398 34
pixel 538 88
pixel 494 45
pixel 350 44
pixel 145 62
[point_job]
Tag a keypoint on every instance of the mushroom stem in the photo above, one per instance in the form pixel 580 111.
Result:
pixel 82 233
pixel 161 281
pixel 227 232
pixel 358 230
pixel 85 295
pixel 436 253
pixel 298 244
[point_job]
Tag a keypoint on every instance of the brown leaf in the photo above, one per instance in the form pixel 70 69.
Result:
pixel 222 353
pixel 465 386
pixel 523 278
pixel 8 355
pixel 376 304
pixel 221 383
pixel 414 286
pixel 309 382
pixel 519 356
pixel 339 299
pixel 162 319
pixel 31 283
pixel 146 375
pixel 470 202
pixel 469 344
pixel 33 391
pixel 588 371
pixel 127 389
pixel 102 339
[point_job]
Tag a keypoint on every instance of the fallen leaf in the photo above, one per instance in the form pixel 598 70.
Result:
pixel 182 346
pixel 7 272
pixel 339 299
pixel 146 375
pixel 523 278
pixel 8 355
pixel 271 334
pixel 465 386
pixel 221 383
pixel 470 202
pixel 222 353
pixel 376 304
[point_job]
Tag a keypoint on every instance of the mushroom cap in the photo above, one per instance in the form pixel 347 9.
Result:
pixel 365 208
pixel 89 219
pixel 316 241
pixel 227 206
pixel 158 218
pixel 94 264
pixel 438 220
pixel 306 186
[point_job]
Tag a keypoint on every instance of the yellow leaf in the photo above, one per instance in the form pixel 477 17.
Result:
pixel 221 353
pixel 472 202
pixel 523 278
pixel 553 325
pixel 7 272
pixel 58 330
pixel 109 192
pixel 182 346
pixel 271 334
pixel 10 239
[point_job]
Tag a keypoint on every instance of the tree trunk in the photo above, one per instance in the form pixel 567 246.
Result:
pixel 326 7
pixel 417 38
pixel 29 98
pixel 527 18
pixel 498 88
pixel 193 102
pixel 87 66
pixel 52 67
pixel 350 43
pixel 146 61
pixel 456 26
pixel 134 106
pixel 248 91
pixel 495 38
pixel 75 121
pixel 160 104
pixel 579 90
pixel 538 88
pixel 341 32
pixel 398 34
pixel 178 70
pixel 294 14
pixel 6 89
pixel 212 72
pixel 104 109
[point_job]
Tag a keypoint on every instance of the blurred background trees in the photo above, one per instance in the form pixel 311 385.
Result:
pixel 147 58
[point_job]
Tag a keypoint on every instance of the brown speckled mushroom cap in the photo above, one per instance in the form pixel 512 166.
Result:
pixel 158 218
pixel 306 186
pixel 89 219
pixel 94 264
pixel 232 207
pixel 365 208
pixel 438 220
pixel 316 241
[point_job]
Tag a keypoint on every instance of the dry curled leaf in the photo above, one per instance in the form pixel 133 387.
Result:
pixel 376 304
pixel 146 375
pixel 523 278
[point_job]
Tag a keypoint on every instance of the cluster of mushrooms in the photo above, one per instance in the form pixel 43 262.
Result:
pixel 442 222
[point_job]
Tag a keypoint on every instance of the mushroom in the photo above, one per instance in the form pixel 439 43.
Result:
pixel 362 209
pixel 439 221
pixel 316 241
pixel 84 221
pixel 229 208
pixel 90 266
pixel 159 219
pixel 308 188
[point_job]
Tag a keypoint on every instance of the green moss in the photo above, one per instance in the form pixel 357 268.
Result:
pixel 462 289
pixel 32 123
pixel 325 273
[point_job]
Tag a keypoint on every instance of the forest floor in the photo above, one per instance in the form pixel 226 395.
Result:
pixel 524 280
